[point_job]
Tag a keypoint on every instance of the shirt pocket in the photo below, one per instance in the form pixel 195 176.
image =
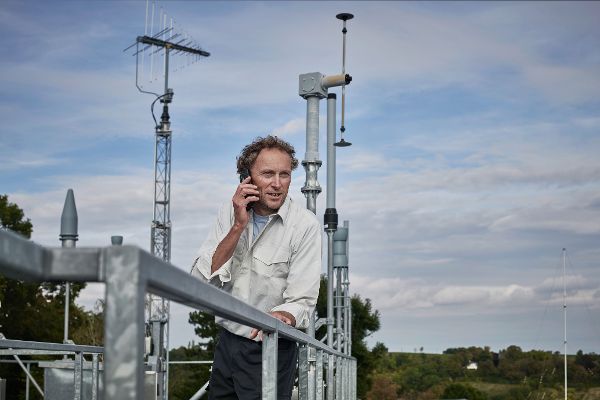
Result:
pixel 272 260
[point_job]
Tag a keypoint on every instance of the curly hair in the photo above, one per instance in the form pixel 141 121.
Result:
pixel 250 152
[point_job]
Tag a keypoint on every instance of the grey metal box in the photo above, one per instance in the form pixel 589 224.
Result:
pixel 59 381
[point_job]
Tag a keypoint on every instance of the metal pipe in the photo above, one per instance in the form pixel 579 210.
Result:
pixel 68 236
pixel 311 160
pixel 335 80
pixel 330 319
pixel 27 381
pixel 338 308
pixel 331 105
pixel 269 365
pixel 348 298
pixel 29 376
pixel 201 392
pixel 311 323
pixel 319 376
pixel 329 377
pixel 78 376
pixel 347 331
pixel 312 128
pixel 338 378
pixel 95 369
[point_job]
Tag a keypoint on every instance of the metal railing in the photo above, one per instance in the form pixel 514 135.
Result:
pixel 129 273
pixel 16 348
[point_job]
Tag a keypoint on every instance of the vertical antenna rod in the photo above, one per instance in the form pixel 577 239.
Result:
pixel 344 17
pixel 564 251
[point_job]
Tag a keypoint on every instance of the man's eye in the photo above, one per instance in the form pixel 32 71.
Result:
pixel 284 175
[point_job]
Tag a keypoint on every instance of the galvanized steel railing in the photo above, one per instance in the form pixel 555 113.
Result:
pixel 17 348
pixel 129 273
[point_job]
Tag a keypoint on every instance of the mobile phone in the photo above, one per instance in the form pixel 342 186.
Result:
pixel 243 175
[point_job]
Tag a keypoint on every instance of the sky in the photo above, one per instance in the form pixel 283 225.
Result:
pixel 475 130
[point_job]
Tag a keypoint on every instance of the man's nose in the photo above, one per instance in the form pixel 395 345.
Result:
pixel 276 181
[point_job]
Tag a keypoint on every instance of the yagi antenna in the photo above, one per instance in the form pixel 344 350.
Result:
pixel 164 39
pixel 344 17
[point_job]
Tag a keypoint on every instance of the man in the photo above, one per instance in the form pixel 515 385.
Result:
pixel 264 249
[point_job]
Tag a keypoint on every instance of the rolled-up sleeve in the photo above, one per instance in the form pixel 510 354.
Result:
pixel 202 263
pixel 302 290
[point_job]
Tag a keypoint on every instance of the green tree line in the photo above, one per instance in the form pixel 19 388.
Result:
pixel 510 374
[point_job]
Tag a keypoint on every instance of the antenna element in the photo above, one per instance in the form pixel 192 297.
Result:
pixel 344 17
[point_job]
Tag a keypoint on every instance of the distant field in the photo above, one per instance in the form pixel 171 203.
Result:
pixel 492 389
pixel 592 394
pixel 495 389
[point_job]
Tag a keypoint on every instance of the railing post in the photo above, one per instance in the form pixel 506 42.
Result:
pixel 95 368
pixel 306 372
pixel 319 376
pixel 303 373
pixel 329 378
pixel 338 378
pixel 353 385
pixel 78 375
pixel 27 381
pixel 269 365
pixel 346 378
pixel 124 324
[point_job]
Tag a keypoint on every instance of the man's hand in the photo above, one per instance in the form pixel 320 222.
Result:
pixel 246 193
pixel 283 316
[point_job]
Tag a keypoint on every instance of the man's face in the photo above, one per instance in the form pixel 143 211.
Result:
pixel 272 173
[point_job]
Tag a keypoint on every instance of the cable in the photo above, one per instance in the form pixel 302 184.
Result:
pixel 152 107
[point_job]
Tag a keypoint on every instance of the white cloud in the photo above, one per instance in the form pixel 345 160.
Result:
pixel 412 295
pixel 291 127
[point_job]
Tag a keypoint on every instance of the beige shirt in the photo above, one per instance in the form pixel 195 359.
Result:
pixel 277 271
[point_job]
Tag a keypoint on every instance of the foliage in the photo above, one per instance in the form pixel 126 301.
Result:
pixel 383 388
pixel 511 374
pixel 206 328
pixel 186 379
pixel 13 218
pixel 460 391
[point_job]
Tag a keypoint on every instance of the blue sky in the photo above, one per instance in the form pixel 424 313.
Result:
pixel 475 131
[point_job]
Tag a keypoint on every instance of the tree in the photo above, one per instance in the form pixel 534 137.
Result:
pixel 186 379
pixel 12 218
pixel 460 391
pixel 383 388
pixel 206 328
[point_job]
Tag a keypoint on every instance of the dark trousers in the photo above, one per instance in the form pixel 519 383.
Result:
pixel 237 368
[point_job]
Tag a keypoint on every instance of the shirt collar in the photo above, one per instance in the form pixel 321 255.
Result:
pixel 284 210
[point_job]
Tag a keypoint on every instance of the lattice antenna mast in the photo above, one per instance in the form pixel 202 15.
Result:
pixel 150 48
